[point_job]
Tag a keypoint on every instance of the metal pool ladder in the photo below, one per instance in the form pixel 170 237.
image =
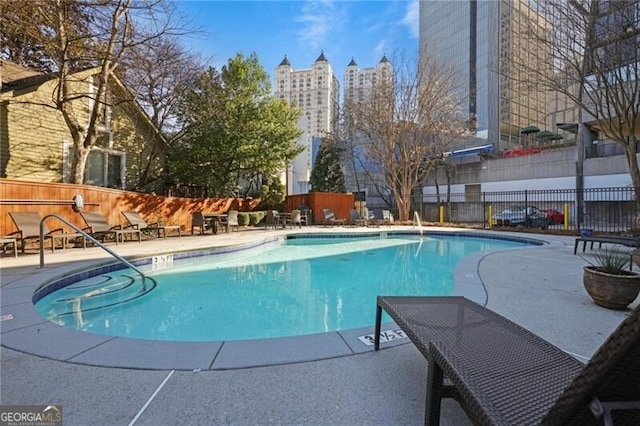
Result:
pixel 417 216
pixel 94 241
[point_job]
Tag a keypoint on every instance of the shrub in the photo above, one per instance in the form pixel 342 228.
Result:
pixel 612 260
pixel 243 219
pixel 256 217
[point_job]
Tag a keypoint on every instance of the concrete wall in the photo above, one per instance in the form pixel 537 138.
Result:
pixel 553 169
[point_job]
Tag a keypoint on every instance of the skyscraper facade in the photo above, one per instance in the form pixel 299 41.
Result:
pixel 482 40
pixel 314 90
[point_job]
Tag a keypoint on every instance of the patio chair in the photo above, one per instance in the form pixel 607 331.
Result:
pixel 198 220
pixel 295 219
pixel 501 373
pixel 305 214
pixel 137 222
pixel 355 219
pixel 230 220
pixel 273 220
pixel 28 224
pixel 330 218
pixel 99 228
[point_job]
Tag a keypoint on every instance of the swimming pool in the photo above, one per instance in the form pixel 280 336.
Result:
pixel 293 287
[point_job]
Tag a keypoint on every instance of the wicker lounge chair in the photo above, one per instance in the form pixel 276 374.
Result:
pixel 330 218
pixel 628 241
pixel 28 224
pixel 99 228
pixel 137 222
pixel 501 373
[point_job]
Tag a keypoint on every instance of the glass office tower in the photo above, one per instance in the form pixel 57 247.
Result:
pixel 483 40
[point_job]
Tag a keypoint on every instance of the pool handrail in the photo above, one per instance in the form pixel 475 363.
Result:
pixel 417 216
pixel 93 240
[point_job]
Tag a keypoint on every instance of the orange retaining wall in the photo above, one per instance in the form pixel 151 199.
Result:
pixel 56 198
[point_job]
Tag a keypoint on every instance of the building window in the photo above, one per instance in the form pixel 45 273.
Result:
pixel 105 168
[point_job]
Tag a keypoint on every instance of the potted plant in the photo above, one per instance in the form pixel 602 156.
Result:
pixel 609 281
pixel 635 257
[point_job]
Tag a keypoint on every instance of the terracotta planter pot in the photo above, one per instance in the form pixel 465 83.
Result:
pixel 610 290
pixel 635 256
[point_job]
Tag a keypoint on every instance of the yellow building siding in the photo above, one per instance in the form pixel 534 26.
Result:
pixel 4 140
pixel 33 133
pixel 35 137
pixel 139 141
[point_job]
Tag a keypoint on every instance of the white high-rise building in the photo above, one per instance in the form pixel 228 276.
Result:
pixel 314 90
pixel 358 82
pixel 298 173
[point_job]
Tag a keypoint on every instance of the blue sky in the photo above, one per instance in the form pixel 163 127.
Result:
pixel 301 29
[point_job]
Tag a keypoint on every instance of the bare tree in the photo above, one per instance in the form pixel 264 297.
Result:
pixel 77 35
pixel 405 124
pixel 159 74
pixel 589 55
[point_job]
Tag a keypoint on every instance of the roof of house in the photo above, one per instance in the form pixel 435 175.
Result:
pixel 13 76
pixel 16 77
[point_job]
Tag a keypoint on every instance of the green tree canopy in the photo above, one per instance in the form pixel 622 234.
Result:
pixel 327 175
pixel 235 131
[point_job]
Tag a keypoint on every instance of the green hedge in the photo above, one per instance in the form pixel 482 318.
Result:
pixel 243 219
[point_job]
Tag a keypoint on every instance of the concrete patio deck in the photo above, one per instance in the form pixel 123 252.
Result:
pixel 539 288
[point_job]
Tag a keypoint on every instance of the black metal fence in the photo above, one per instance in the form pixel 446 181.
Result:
pixel 603 209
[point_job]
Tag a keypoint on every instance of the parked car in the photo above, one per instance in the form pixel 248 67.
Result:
pixel 529 216
pixel 554 216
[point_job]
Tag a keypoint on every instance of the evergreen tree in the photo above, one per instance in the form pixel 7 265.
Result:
pixel 234 130
pixel 327 175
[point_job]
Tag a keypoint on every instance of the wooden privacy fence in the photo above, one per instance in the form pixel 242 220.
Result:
pixel 56 198
pixel 316 201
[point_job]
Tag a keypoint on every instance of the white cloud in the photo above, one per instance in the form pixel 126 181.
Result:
pixel 319 19
pixel 412 18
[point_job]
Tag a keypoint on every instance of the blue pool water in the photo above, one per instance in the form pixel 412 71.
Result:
pixel 296 287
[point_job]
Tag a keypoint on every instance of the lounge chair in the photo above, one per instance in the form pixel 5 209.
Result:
pixel 99 228
pixel 501 373
pixel 137 222
pixel 624 240
pixel 28 224
pixel 330 218
pixel 355 219
pixel 381 217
